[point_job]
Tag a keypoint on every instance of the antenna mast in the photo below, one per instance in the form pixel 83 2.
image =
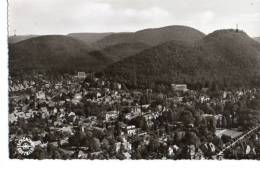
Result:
pixel 236 27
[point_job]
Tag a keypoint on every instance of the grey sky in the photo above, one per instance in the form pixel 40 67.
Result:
pixel 67 16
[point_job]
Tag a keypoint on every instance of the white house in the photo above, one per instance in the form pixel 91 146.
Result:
pixel 180 87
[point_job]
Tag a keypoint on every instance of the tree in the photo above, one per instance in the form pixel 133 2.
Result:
pixel 217 142
pixel 105 144
pixel 191 138
pixel 140 122
pixel 197 116
pixel 186 117
pixel 211 124
pixel 153 145
pixel 39 153
pixel 95 144
pixel 56 155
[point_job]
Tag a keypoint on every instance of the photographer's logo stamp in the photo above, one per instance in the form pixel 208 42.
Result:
pixel 25 146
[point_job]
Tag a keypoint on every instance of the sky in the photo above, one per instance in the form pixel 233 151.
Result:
pixel 70 16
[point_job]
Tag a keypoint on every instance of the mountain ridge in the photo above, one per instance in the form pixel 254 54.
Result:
pixel 153 36
pixel 55 53
pixel 219 57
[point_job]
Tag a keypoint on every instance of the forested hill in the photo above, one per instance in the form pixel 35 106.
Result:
pixel 153 36
pixel 53 53
pixel 225 57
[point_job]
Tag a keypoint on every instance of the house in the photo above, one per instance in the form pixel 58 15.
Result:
pixel 145 106
pixel 225 94
pixel 131 130
pixel 111 115
pixel 191 151
pixel 130 116
pixel 57 123
pixel 127 155
pixel 190 125
pixel 148 115
pixel 98 94
pixel 29 115
pixel 136 109
pixel 32 83
pixel 126 145
pixel 37 143
pixel 163 139
pixel 58 85
pixel 81 75
pixel 40 95
pixel 212 147
pixel 47 85
pixel 77 98
pixel 141 133
pixel 117 86
pixel 91 118
pixel 150 123
pixel 170 151
pixel 21 87
pixel 180 87
pixel 204 99
pixel 21 115
pixel 207 149
pixel 67 130
pixel 82 155
pixel 178 99
pixel 13 118
pixel 174 99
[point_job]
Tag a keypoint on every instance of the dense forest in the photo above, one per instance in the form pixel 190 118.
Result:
pixel 53 53
pixel 228 58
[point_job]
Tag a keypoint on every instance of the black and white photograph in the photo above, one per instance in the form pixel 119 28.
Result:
pixel 133 80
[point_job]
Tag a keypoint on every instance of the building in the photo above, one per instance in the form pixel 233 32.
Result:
pixel 136 109
pixel 179 87
pixel 81 75
pixel 112 115
pixel 131 130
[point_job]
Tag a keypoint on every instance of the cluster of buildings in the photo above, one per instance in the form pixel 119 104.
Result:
pixel 94 118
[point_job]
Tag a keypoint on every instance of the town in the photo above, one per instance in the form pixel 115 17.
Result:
pixel 87 117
